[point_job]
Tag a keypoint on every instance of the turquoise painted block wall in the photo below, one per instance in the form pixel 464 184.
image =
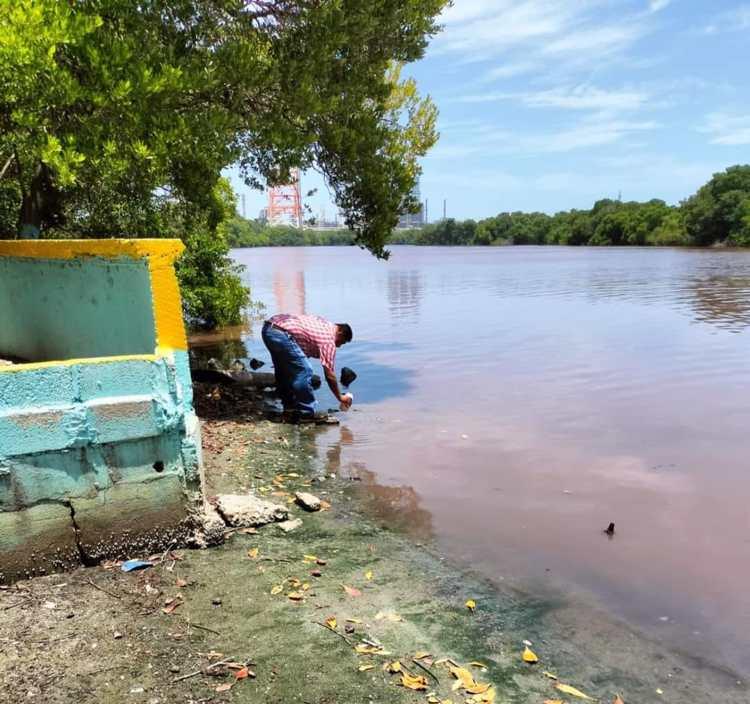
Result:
pixel 99 446
pixel 54 309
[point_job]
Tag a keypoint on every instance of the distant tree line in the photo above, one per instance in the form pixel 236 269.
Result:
pixel 718 214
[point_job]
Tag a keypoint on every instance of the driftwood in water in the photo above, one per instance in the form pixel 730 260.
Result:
pixel 258 380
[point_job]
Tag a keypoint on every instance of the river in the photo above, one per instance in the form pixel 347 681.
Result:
pixel 512 402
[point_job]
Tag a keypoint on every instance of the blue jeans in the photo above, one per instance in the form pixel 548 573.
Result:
pixel 293 371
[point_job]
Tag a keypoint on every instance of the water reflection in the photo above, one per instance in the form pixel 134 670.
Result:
pixel 405 291
pixel 397 507
pixel 721 300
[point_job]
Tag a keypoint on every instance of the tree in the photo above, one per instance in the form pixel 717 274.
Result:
pixel 718 211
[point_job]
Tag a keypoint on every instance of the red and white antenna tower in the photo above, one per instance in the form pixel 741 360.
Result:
pixel 285 203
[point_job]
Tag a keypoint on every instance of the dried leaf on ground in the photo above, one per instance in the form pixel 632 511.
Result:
pixel 253 553
pixel 310 558
pixel 549 675
pixel 394 666
pixel 554 701
pixel 572 691
pixel 388 616
pixel 171 606
pixel 354 620
pixel 243 674
pixel 471 605
pixel 351 591
pixel 417 682
pixel 421 655
pixel 475 663
pixel 529 655
pixel 295 596
pixel 367 649
pixel 277 589
pixel 485 698
pixel 368 575
pixel 331 622
pixel 364 668
pixel 223 688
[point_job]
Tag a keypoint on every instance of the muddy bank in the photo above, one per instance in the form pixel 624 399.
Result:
pixel 258 605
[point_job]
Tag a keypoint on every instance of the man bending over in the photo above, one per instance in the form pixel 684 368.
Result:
pixel 291 339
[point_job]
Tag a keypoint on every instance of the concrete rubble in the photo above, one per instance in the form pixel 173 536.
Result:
pixel 308 501
pixel 247 511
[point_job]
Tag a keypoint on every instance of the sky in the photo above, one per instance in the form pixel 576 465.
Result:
pixel 547 105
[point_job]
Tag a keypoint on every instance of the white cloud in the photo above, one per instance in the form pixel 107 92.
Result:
pixel 587 133
pixel 737 19
pixel 727 129
pixel 658 5
pixel 578 97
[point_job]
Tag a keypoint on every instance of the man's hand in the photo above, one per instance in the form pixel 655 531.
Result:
pixel 346 402
pixel 333 384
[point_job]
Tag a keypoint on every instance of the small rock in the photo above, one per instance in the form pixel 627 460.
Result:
pixel 289 526
pixel 256 364
pixel 316 573
pixel 246 510
pixel 216 601
pixel 308 501
pixel 174 668
pixel 117 635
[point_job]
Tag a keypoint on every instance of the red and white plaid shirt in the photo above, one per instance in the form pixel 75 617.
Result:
pixel 315 336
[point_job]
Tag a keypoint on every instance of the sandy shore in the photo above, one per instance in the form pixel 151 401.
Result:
pixel 259 604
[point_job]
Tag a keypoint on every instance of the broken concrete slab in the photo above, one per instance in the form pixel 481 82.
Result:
pixel 289 526
pixel 308 501
pixel 246 510
pixel 209 529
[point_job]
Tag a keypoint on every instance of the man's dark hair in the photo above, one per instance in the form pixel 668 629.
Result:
pixel 347 330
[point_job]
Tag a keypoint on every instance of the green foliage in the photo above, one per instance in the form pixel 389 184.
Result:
pixel 240 232
pixel 117 118
pixel 718 211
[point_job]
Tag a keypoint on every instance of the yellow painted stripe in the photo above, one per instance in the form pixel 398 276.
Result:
pixel 10 368
pixel 166 250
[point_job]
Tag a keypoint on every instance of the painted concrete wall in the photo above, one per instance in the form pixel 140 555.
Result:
pixel 99 455
pixel 56 309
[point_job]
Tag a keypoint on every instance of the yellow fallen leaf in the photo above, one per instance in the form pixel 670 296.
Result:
pixel 295 596
pixel 292 474
pixel 554 701
pixel 549 675
pixel 331 622
pixel 277 589
pixel 464 678
pixel 471 604
pixel 354 620
pixel 305 586
pixel 310 558
pixel 388 615
pixel 253 553
pixel 478 664
pixel 486 697
pixel 394 666
pixel 432 699
pixel 572 691
pixel 365 668
pixel 421 655
pixel 367 649
pixel 294 582
pixel 368 575
pixel 529 655
pixel 417 683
